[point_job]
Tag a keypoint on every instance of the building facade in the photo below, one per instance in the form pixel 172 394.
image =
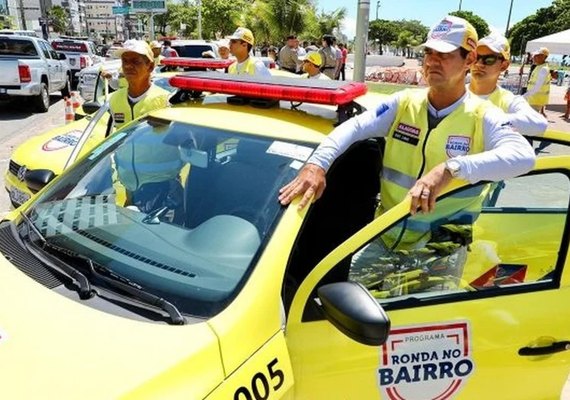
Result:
pixel 101 24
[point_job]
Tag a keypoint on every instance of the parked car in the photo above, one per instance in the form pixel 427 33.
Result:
pixel 30 67
pixel 194 48
pixel 222 293
pixel 80 54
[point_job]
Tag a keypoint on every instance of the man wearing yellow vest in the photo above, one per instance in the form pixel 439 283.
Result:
pixel 151 184
pixel 141 96
pixel 241 43
pixel 493 58
pixel 312 66
pixel 538 91
pixel 432 135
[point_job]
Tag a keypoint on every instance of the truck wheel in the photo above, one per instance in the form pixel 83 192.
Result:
pixel 41 101
pixel 66 91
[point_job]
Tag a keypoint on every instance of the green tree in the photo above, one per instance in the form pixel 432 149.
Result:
pixel 221 17
pixel 59 19
pixel 545 21
pixel 478 23
pixel 383 32
pixel 331 21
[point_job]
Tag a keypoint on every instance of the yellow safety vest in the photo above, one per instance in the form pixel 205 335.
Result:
pixel 412 150
pixel 247 69
pixel 122 111
pixel 541 97
pixel 502 98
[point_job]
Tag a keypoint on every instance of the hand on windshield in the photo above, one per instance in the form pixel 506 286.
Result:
pixel 425 191
pixel 310 183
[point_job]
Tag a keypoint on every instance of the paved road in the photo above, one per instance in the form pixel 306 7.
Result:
pixel 16 126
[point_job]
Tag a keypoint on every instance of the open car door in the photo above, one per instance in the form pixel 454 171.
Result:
pixel 478 307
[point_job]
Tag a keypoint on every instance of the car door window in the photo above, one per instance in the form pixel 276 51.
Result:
pixel 510 240
pixel 53 53
pixel 45 50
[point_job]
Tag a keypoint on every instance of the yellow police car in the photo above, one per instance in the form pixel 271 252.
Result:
pixel 161 265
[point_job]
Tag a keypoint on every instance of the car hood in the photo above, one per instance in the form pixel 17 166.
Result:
pixel 52 149
pixel 55 348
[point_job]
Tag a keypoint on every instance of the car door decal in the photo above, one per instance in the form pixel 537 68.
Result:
pixel 426 361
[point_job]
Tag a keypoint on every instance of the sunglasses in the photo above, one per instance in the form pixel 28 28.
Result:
pixel 489 59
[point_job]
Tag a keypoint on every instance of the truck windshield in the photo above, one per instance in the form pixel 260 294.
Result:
pixel 183 210
pixel 17 47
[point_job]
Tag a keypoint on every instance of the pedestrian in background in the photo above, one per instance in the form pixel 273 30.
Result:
pixel 538 92
pixel 241 44
pixel 328 54
pixel 288 57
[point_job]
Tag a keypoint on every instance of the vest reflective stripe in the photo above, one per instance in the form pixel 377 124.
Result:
pixel 146 159
pixel 155 98
pixel 502 98
pixel 541 97
pixel 412 151
pixel 247 69
pixel 398 178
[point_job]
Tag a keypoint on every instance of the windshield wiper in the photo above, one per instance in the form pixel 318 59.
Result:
pixel 135 290
pixel 85 290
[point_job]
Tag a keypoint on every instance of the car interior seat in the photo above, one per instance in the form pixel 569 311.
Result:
pixel 242 186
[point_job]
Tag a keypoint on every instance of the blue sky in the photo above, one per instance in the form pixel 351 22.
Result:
pixel 495 12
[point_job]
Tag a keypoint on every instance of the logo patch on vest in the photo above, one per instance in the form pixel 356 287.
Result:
pixel 457 146
pixel 407 133
pixel 426 361
pixel 119 118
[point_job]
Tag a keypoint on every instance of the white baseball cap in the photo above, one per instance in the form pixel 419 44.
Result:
pixel 498 44
pixel 450 34
pixel 136 46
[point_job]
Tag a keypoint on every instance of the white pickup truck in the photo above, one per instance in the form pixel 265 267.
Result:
pixel 80 54
pixel 31 67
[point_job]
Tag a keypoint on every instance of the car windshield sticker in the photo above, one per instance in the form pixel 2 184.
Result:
pixel 296 164
pixel 301 153
pixel 426 361
pixel 59 142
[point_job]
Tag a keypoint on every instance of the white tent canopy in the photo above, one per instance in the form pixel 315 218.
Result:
pixel 557 43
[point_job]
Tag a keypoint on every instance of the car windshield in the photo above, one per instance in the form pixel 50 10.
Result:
pixel 182 210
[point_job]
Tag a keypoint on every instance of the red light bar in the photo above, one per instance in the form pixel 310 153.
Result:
pixel 189 62
pixel 287 89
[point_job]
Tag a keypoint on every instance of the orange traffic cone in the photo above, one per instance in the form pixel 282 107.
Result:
pixel 69 113
pixel 75 99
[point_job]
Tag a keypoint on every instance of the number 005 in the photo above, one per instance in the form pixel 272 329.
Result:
pixel 260 389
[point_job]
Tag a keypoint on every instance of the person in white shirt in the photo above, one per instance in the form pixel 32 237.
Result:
pixel 493 58
pixel 432 135
pixel 241 43
pixel 538 92
pixel 312 66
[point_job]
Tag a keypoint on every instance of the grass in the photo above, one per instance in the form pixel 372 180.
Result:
pixel 386 88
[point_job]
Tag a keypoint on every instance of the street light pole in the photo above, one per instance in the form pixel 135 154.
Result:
pixel 460 1
pixel 361 40
pixel 377 7
pixel 509 18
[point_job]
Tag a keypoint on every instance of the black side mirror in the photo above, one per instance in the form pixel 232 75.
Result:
pixel 354 312
pixel 62 56
pixel 36 179
pixel 91 107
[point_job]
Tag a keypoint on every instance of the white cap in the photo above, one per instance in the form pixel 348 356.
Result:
pixel 135 46
pixel 498 44
pixel 224 43
pixel 450 34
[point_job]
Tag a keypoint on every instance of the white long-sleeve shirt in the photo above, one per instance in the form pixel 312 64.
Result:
pixel 506 154
pixel 523 117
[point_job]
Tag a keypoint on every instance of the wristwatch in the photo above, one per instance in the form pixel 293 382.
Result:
pixel 453 166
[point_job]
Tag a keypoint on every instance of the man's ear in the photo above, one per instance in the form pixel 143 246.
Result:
pixel 470 60
pixel 505 65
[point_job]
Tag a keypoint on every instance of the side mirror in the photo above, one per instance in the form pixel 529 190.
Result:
pixel 62 56
pixel 91 107
pixel 36 179
pixel 354 312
